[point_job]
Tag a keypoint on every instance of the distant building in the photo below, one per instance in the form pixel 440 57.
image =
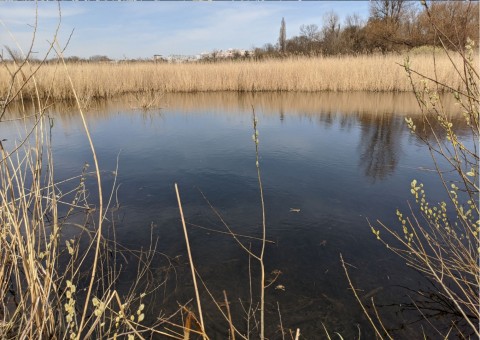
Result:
pixel 158 57
pixel 178 58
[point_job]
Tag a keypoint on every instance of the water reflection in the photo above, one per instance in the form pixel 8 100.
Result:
pixel 377 114
pixel 270 103
pixel 380 145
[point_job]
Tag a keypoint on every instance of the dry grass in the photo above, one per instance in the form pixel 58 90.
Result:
pixel 361 73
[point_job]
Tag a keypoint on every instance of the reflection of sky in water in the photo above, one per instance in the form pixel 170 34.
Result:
pixel 338 167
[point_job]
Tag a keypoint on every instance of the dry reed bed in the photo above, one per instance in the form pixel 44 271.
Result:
pixel 362 73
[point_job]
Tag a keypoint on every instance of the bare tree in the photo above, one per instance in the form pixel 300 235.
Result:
pixel 331 31
pixel 282 38
pixel 331 22
pixel 385 23
pixel 311 32
pixel 310 37
pixel 354 20
pixel 388 10
pixel 352 37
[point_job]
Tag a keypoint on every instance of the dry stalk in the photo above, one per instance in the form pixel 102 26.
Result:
pixel 192 267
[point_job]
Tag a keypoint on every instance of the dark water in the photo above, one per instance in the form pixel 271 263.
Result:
pixel 339 158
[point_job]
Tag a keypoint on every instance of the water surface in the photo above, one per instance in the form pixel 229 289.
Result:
pixel 328 163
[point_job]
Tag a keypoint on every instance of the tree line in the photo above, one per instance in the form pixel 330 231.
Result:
pixel 392 26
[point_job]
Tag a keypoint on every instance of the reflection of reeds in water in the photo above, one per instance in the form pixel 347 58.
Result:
pixel 269 103
pixel 347 107
pixel 361 73
pixel 295 103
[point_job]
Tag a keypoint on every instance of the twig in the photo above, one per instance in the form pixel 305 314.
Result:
pixel 229 233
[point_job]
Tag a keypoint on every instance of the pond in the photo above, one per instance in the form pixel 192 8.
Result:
pixel 329 163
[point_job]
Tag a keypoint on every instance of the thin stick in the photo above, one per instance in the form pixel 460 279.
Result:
pixel 192 267
pixel 264 230
pixel 232 330
pixel 229 233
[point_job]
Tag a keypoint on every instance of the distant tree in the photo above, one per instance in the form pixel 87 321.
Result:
pixel 282 38
pixel 331 32
pixel 393 25
pixel 269 48
pixel 299 45
pixel 354 20
pixel 388 10
pixel 310 37
pixel 352 37
pixel 97 58
pixel 73 59
pixel 311 32
pixel 384 25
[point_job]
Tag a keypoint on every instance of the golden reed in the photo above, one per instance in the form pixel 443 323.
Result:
pixel 375 73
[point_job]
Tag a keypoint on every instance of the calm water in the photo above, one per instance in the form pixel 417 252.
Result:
pixel 339 158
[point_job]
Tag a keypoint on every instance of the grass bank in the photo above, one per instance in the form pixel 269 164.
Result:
pixel 375 73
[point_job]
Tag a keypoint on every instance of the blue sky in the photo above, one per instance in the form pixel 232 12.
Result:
pixel 142 29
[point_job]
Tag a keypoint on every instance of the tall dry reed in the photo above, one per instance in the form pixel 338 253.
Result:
pixel 349 73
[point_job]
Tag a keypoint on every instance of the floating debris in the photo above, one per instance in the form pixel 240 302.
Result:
pixel 372 292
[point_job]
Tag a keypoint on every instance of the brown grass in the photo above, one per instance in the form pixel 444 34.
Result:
pixel 362 73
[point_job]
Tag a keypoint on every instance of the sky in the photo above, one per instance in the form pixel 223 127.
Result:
pixel 141 29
